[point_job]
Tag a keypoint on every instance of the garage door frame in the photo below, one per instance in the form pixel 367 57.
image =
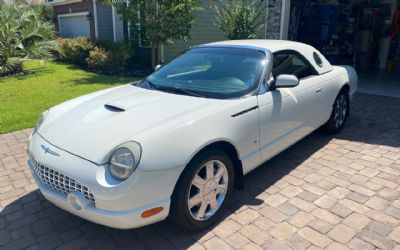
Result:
pixel 85 13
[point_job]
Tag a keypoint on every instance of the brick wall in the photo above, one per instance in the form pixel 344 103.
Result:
pixel 84 6
pixel 274 21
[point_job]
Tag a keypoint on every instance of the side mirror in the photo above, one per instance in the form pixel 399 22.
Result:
pixel 286 81
pixel 157 67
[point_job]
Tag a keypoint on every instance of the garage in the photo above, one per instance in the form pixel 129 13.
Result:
pixel 364 34
pixel 74 25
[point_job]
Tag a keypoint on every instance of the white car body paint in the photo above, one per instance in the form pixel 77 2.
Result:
pixel 171 130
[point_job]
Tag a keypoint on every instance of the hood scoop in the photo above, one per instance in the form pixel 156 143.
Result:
pixel 130 101
pixel 114 108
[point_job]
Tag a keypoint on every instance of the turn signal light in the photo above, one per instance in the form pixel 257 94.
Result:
pixel 152 212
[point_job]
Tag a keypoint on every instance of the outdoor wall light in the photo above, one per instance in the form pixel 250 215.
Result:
pixel 271 3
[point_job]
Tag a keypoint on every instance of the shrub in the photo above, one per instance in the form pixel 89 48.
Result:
pixel 75 50
pixel 12 67
pixel 239 19
pixel 97 60
pixel 24 33
pixel 110 58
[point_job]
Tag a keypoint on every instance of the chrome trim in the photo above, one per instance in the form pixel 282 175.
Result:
pixel 245 111
pixel 47 150
pixel 59 182
pixel 208 190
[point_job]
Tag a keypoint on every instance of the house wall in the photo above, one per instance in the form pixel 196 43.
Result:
pixel 205 31
pixel 84 6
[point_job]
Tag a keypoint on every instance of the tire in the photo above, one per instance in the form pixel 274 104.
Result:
pixel 190 217
pixel 340 112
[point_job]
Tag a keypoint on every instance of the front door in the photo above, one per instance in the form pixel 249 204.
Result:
pixel 289 114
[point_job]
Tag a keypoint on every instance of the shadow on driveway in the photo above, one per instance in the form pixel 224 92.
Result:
pixel 56 228
pixel 374 120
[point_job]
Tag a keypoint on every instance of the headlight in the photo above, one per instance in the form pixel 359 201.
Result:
pixel 41 119
pixel 124 160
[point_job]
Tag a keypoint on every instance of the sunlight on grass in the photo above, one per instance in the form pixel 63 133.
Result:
pixel 23 98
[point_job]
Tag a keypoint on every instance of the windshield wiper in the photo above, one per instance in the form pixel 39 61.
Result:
pixel 172 89
pixel 179 90
pixel 151 85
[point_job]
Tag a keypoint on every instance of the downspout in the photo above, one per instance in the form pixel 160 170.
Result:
pixel 162 58
pixel 129 24
pixel 96 27
pixel 285 15
pixel 113 22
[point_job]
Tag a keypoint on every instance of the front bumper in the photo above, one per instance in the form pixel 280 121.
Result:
pixel 116 219
pixel 115 204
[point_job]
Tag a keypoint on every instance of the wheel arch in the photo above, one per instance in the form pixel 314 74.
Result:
pixel 232 152
pixel 346 89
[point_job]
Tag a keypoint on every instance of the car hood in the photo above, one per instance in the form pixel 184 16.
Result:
pixel 93 125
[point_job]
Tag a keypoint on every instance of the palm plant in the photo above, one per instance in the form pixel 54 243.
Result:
pixel 23 34
pixel 239 19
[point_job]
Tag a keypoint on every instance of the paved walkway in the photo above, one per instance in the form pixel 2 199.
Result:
pixel 325 192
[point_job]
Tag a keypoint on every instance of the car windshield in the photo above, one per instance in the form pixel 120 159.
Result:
pixel 210 72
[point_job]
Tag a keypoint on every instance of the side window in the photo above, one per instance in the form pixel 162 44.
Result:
pixel 291 63
pixel 318 59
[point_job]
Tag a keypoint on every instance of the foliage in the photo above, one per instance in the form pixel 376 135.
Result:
pixel 12 67
pixel 239 19
pixel 97 60
pixel 141 60
pixel 103 57
pixel 111 60
pixel 163 21
pixel 75 50
pixel 44 11
pixel 23 98
pixel 24 33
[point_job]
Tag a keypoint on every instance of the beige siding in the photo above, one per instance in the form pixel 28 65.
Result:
pixel 205 31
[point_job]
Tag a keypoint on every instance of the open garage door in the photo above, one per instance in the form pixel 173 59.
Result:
pixel 361 33
pixel 76 25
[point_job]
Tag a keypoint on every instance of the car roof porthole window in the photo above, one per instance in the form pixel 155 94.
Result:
pixel 317 59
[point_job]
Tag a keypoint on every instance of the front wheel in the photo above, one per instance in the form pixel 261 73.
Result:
pixel 203 190
pixel 339 114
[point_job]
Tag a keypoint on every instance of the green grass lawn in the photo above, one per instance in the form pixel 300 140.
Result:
pixel 23 98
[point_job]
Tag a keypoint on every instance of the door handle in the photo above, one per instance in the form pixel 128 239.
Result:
pixel 318 90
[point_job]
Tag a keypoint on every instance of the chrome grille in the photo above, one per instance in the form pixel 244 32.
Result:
pixel 60 182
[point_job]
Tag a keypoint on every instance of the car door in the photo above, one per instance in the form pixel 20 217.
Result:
pixel 288 114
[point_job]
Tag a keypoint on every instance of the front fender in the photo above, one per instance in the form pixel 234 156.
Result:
pixel 176 143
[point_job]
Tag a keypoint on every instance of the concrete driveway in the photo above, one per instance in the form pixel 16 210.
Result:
pixel 324 192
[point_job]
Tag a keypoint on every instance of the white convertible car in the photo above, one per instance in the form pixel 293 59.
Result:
pixel 179 142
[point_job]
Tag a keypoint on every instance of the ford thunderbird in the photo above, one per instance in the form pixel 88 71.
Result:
pixel 178 143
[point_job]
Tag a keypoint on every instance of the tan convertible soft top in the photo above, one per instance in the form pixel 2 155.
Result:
pixel 278 45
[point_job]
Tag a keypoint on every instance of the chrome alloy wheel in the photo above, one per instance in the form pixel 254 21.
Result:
pixel 208 190
pixel 340 111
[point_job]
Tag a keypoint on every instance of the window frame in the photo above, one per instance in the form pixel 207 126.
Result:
pixel 301 57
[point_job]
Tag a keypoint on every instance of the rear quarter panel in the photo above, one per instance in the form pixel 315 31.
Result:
pixel 335 80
